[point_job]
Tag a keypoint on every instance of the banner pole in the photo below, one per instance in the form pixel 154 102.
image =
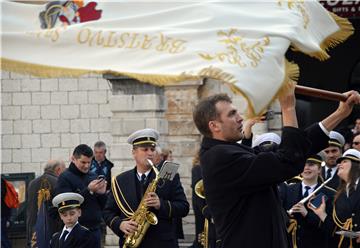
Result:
pixel 319 93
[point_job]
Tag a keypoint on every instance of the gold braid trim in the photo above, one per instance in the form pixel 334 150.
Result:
pixel 115 188
pixel 292 228
pixel 347 225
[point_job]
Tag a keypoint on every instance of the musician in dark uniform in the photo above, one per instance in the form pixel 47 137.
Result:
pixel 129 188
pixel 73 235
pixel 201 210
pixel 332 153
pixel 346 214
pixel 239 184
pixel 304 227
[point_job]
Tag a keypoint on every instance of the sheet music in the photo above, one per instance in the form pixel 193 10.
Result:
pixel 168 170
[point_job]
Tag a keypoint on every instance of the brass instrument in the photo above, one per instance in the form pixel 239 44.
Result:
pixel 290 211
pixel 204 235
pixel 199 189
pixel 142 216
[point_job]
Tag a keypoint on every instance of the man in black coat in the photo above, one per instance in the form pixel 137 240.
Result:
pixel 46 183
pixel 240 186
pixel 78 179
pixel 305 225
pixel 129 188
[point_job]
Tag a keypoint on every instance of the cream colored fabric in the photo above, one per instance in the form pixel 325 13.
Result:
pixel 239 42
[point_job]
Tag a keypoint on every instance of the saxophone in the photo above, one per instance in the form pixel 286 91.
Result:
pixel 142 216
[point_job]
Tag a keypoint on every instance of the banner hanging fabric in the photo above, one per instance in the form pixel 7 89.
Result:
pixel 241 43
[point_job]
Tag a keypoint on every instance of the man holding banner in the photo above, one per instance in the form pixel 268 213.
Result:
pixel 240 186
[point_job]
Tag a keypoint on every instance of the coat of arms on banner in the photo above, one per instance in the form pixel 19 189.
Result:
pixel 65 13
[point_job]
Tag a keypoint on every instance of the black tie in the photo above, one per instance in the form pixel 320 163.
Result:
pixel 328 174
pixel 143 179
pixel 62 239
pixel 306 194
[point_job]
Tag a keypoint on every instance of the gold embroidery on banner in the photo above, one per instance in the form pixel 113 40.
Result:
pixel 131 40
pixel 300 5
pixel 236 47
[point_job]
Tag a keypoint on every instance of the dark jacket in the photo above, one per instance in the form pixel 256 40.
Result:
pixel 103 169
pixel 345 208
pixel 241 191
pixel 308 231
pixel 79 237
pixel 173 203
pixel 73 180
pixel 46 181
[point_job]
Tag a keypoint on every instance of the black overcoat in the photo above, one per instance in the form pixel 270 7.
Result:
pixel 173 204
pixel 240 186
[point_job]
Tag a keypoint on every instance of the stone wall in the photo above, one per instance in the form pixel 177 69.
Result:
pixel 47 118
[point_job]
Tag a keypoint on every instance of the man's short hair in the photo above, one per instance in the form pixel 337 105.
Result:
pixel 100 144
pixel 84 150
pixel 206 111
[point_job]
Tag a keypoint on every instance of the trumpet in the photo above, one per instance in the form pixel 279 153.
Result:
pixel 290 211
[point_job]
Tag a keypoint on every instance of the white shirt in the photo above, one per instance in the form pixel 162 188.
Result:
pixel 69 229
pixel 312 188
pixel 333 171
pixel 138 174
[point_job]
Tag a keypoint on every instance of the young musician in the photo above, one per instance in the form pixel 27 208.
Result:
pixel 346 214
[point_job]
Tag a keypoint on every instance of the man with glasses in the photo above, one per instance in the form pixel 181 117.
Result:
pixel 356 142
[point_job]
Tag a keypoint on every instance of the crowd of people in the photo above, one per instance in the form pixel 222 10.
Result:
pixel 297 190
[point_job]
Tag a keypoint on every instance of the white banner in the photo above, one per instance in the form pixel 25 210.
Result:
pixel 239 42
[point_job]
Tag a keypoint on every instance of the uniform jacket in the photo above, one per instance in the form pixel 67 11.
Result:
pixel 345 208
pixel 334 182
pixel 173 203
pixel 79 237
pixel 73 180
pixel 309 233
pixel 241 187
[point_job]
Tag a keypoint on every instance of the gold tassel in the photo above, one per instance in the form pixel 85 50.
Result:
pixel 345 31
pixel 43 195
pixel 292 228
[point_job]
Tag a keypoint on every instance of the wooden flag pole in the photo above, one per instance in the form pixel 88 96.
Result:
pixel 323 94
